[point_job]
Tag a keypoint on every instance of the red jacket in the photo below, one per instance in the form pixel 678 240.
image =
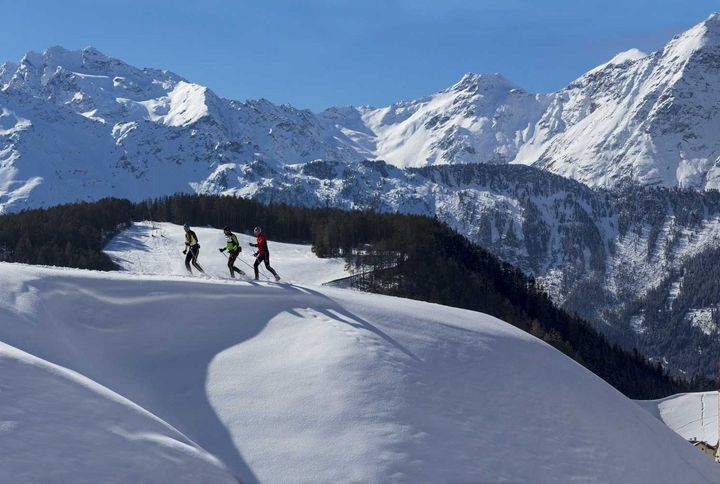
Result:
pixel 262 244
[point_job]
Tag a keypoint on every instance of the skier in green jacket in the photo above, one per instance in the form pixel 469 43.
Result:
pixel 233 247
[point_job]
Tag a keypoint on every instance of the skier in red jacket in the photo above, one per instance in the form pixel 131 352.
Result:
pixel 262 254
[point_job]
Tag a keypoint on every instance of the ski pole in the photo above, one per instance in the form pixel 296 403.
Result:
pixel 228 258
pixel 241 260
pixel 195 263
pixel 262 272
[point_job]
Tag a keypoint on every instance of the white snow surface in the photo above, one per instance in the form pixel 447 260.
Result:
pixel 702 318
pixel 59 426
pixel 692 415
pixel 620 59
pixel 121 377
pixel 156 248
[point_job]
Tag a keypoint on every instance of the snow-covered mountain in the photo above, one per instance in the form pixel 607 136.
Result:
pixel 78 125
pixel 161 378
pixel 648 119
pixel 481 119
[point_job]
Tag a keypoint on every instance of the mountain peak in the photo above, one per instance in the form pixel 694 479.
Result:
pixel 73 60
pixel 629 55
pixel 701 36
pixel 473 82
pixel 712 28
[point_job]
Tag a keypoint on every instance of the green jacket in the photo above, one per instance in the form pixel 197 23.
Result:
pixel 232 244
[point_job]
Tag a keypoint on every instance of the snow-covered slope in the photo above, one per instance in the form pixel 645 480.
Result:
pixel 59 426
pixel 155 248
pixel 692 415
pixel 287 383
pixel 481 119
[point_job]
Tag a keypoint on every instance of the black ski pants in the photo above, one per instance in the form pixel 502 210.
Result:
pixel 232 256
pixel 191 257
pixel 266 259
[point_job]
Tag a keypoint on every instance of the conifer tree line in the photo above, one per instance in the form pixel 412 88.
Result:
pixel 402 255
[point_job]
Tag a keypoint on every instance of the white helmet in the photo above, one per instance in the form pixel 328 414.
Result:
pixel 257 230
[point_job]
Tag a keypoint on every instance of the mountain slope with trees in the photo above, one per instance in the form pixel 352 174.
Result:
pixel 402 255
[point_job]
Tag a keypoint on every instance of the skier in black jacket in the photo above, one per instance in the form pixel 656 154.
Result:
pixel 192 250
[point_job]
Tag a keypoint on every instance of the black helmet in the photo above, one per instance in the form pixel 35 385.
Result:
pixel 226 229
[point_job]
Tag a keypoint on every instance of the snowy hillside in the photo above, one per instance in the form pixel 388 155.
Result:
pixel 59 426
pixel 156 248
pixel 283 383
pixel 692 415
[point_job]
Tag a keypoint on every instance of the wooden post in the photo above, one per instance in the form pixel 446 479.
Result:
pixel 717 445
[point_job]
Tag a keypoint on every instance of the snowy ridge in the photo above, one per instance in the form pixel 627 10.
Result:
pixel 629 55
pixel 482 118
pixel 287 383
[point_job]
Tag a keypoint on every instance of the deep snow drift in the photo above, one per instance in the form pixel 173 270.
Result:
pixel 58 426
pixel 285 383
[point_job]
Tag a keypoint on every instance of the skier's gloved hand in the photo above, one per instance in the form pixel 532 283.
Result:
pixel 222 250
pixel 252 245
pixel 255 254
pixel 185 251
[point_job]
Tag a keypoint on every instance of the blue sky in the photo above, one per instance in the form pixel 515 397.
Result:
pixel 319 53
